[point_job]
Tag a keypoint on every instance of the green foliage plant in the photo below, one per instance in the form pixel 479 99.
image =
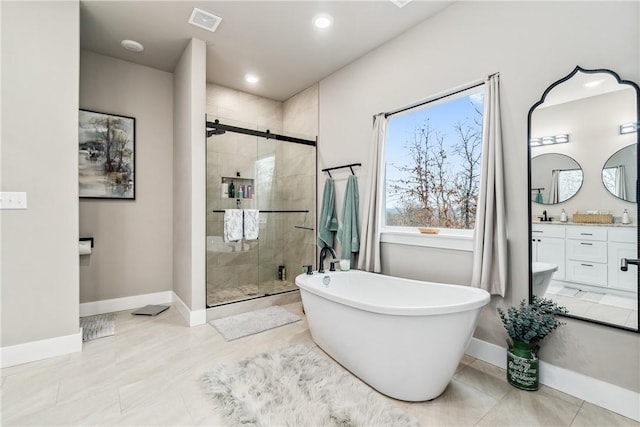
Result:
pixel 531 323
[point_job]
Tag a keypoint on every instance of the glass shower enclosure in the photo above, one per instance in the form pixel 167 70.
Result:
pixel 265 170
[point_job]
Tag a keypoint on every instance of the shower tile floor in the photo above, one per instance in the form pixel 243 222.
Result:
pixel 217 296
pixel 149 373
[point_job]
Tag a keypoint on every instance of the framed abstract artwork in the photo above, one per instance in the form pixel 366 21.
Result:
pixel 106 156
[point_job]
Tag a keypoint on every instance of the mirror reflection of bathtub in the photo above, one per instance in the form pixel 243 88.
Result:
pixel 542 272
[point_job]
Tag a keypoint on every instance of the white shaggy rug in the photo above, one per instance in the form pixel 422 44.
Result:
pixel 297 386
pixel 253 322
pixel 98 326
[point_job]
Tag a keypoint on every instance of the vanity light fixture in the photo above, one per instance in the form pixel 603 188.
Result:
pixel 400 3
pixel 593 83
pixel 322 20
pixel 251 78
pixel 629 128
pixel 132 45
pixel 548 140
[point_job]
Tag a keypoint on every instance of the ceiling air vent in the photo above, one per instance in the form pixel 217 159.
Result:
pixel 203 19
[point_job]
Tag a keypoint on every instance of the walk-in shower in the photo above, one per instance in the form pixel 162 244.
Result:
pixel 268 171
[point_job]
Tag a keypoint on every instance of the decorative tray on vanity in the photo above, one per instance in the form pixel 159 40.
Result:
pixel 592 218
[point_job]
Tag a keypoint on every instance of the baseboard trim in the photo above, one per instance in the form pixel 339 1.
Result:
pixel 124 303
pixel 193 318
pixel 592 390
pixel 38 350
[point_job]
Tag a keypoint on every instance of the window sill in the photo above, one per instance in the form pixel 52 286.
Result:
pixel 459 240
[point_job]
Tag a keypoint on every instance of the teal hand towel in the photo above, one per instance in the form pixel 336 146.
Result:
pixel 328 223
pixel 348 231
pixel 539 197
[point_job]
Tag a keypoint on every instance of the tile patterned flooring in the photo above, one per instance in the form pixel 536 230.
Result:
pixel 149 373
pixel 597 306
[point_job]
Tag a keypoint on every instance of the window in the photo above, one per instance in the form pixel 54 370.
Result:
pixel 432 161
pixel 569 182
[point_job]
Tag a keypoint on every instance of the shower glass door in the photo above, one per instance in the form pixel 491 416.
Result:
pixel 275 177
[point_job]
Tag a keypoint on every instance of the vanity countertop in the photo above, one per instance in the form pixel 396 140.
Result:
pixel 583 224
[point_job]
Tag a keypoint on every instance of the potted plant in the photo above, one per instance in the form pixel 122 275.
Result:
pixel 527 325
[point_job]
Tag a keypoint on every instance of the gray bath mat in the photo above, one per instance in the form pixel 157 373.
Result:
pixel 297 386
pixel 253 322
pixel 98 326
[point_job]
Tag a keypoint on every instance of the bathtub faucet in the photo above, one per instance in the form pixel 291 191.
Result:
pixel 323 254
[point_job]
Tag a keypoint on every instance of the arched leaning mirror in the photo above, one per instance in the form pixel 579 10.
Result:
pixel 619 173
pixel 555 178
pixel 583 247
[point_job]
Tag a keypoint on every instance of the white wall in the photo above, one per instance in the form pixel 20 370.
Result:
pixel 133 238
pixel 531 45
pixel 189 164
pixel 40 55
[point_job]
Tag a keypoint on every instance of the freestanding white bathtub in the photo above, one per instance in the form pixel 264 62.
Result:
pixel 403 337
pixel 542 273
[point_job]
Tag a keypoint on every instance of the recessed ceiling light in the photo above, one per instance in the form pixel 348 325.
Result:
pixel 323 20
pixel 132 45
pixel 251 78
pixel 203 19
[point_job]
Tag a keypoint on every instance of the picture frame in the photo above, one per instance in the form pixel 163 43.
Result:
pixel 106 155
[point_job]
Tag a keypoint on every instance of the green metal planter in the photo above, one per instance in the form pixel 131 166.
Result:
pixel 522 366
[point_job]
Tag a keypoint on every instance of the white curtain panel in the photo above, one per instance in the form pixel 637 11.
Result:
pixel 554 187
pixel 369 257
pixel 490 235
pixel 621 183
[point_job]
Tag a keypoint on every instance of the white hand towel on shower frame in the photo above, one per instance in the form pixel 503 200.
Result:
pixel 232 225
pixel 251 224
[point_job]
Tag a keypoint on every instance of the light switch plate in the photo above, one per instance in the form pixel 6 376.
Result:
pixel 13 200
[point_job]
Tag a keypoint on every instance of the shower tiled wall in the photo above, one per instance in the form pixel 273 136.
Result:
pixel 284 179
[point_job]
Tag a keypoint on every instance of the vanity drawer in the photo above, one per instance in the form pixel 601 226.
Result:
pixel 587 233
pixel 587 273
pixel 539 230
pixel 622 235
pixel 591 251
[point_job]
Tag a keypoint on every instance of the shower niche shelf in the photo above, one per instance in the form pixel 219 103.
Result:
pixel 243 187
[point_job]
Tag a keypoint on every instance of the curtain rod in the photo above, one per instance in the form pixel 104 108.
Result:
pixel 261 211
pixel 463 88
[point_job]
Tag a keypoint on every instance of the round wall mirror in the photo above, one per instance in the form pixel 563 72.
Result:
pixel 619 173
pixel 555 178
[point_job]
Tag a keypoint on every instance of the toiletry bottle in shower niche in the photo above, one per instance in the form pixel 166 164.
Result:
pixel 232 190
pixel 225 189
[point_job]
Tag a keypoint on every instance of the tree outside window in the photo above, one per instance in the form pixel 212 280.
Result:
pixel 432 160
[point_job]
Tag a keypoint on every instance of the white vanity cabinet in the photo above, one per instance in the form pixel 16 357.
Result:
pixel 548 245
pixel 622 243
pixel 587 255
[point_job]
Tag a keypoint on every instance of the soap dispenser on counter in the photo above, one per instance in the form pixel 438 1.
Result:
pixel 563 216
pixel 625 217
